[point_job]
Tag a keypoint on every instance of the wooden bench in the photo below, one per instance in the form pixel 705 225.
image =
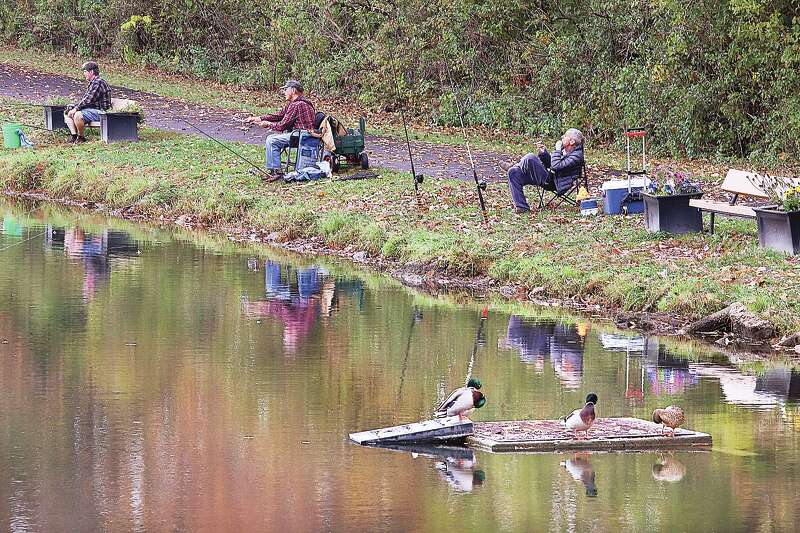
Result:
pixel 737 183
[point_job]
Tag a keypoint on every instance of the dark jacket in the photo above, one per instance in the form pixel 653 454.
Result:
pixel 564 167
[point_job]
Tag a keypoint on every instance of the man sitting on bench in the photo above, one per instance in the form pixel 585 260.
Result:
pixel 297 114
pixel 555 172
pixel 97 99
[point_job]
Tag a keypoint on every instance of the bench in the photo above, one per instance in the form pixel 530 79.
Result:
pixel 117 126
pixel 117 104
pixel 737 183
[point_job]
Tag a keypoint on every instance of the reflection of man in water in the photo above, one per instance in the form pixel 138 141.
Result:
pixel 92 252
pixel 536 341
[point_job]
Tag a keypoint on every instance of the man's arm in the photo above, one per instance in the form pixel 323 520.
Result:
pixel 91 92
pixel 561 161
pixel 275 117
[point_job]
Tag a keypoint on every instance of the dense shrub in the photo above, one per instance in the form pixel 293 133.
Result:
pixel 707 77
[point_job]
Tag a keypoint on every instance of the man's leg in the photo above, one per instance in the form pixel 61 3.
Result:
pixel 275 144
pixel 520 175
pixel 71 125
pixel 80 124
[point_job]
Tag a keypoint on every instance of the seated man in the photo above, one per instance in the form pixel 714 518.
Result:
pixel 97 98
pixel 554 172
pixel 298 113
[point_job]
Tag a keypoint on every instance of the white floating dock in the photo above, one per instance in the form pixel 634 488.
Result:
pixel 440 429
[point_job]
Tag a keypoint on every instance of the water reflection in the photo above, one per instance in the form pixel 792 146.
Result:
pixel 537 341
pixel 297 297
pixel 456 465
pixel 11 226
pixel 668 468
pixel 94 250
pixel 775 387
pixel 581 470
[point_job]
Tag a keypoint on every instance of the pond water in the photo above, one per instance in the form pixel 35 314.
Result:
pixel 154 381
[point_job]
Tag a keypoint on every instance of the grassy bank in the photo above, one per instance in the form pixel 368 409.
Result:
pixel 610 261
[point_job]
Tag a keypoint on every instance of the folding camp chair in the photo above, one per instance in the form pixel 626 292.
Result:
pixel 304 145
pixel 570 195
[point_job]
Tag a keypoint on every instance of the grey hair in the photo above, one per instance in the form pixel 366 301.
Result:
pixel 575 135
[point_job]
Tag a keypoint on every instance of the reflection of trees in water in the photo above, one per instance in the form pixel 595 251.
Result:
pixel 774 387
pixel 538 341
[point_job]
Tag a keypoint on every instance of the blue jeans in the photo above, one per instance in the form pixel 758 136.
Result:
pixel 90 114
pixel 273 148
pixel 529 171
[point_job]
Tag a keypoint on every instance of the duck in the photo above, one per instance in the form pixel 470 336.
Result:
pixel 583 418
pixel 669 417
pixel 581 470
pixel 462 401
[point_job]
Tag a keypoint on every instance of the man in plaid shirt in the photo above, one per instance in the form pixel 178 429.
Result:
pixel 97 99
pixel 298 113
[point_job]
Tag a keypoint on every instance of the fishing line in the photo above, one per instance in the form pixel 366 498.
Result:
pixel 228 148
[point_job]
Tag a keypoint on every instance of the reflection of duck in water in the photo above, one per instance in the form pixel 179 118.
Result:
pixel 669 469
pixel 462 401
pixel 582 471
pixel 461 473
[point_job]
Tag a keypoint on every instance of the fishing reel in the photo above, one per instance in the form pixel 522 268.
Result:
pixel 418 178
pixel 482 185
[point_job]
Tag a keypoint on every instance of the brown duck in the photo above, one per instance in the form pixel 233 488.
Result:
pixel 669 417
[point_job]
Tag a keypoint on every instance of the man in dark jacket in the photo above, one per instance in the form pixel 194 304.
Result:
pixel 96 100
pixel 554 171
pixel 297 114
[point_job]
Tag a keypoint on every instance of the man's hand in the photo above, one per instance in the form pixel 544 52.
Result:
pixel 559 145
pixel 265 124
pixel 252 119
pixel 542 148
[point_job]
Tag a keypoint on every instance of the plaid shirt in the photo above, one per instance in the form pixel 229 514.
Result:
pixel 98 96
pixel 297 115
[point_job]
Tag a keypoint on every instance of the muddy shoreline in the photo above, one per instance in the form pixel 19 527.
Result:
pixel 428 279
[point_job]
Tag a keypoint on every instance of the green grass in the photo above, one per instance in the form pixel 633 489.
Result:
pixel 609 261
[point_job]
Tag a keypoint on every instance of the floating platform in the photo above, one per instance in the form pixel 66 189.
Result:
pixel 438 430
pixel 607 434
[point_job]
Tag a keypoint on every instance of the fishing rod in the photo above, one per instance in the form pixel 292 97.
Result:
pixel 480 185
pixel 478 335
pixel 418 178
pixel 228 148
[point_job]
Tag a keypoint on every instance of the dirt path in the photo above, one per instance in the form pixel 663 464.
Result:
pixel 166 113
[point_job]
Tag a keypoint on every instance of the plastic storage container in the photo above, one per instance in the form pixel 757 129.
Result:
pixel 615 196
pixel 11 135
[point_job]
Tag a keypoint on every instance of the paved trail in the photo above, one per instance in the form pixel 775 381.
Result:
pixel 166 113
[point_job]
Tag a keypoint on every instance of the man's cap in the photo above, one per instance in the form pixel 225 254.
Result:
pixel 294 84
pixel 90 65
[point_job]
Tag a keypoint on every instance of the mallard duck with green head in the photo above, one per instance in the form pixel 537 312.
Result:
pixel 583 418
pixel 462 401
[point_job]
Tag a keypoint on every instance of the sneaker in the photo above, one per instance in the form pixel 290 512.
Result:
pixel 73 138
pixel 79 140
pixel 521 210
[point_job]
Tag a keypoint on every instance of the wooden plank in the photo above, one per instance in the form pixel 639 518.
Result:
pixel 440 429
pixel 607 434
pixel 724 208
